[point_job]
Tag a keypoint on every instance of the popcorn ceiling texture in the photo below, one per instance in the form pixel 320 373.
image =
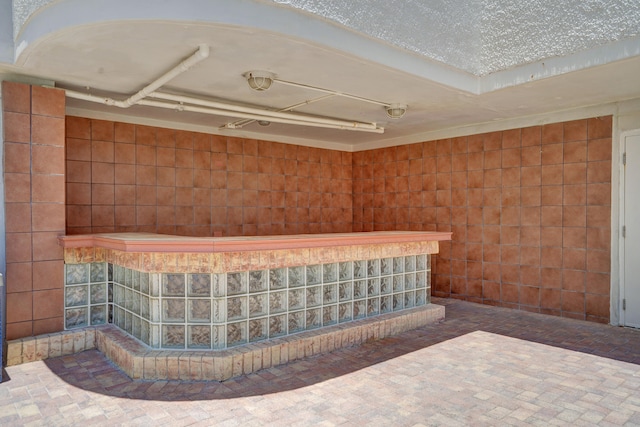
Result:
pixel 477 36
pixel 485 36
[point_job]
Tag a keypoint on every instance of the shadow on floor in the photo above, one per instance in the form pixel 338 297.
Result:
pixel 91 371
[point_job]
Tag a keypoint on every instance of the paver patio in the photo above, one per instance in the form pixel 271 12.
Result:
pixel 482 366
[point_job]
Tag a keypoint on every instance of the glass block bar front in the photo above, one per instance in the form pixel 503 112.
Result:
pixel 220 310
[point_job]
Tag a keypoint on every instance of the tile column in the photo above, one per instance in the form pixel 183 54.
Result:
pixel 34 177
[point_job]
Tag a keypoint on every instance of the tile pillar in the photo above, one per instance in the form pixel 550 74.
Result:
pixel 34 185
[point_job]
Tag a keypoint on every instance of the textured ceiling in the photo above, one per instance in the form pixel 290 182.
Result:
pixel 484 36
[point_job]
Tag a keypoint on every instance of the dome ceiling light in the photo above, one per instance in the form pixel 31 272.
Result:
pixel 395 111
pixel 259 80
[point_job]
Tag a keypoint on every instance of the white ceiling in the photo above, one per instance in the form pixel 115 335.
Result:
pixel 454 63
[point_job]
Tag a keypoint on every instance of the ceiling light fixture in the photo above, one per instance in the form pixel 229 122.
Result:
pixel 264 122
pixel 259 80
pixel 395 111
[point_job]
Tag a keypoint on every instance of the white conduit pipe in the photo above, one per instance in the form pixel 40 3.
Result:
pixel 199 55
pixel 205 110
pixel 218 112
pixel 332 92
pixel 240 123
pixel 261 112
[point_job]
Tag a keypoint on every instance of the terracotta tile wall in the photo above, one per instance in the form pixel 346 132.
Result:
pixel 529 210
pixel 124 177
pixel 34 179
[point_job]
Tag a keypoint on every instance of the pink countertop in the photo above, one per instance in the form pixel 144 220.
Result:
pixel 150 242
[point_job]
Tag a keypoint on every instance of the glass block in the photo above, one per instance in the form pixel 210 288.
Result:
pixel 135 302
pixel 155 280
pixel 236 308
pixel 314 275
pixel 98 293
pixel 386 285
pixel 277 325
pixel 144 283
pixel 359 289
pixel 236 333
pixel 345 312
pixel 398 265
pixel 359 309
pixel 119 317
pixel 278 302
pixel 409 263
pixel 128 325
pixel 421 297
pixel 219 337
pixel 398 302
pixel 135 280
pixel 173 310
pixel 110 272
pixel 110 292
pixel 314 296
pixel 219 282
pixel 345 291
pixel 345 271
pixel 144 307
pixel 398 283
pixel 173 336
pixel 199 310
pixel 359 269
pixel 314 318
pixel 98 272
pixel 118 274
pixel 128 282
pixel 199 285
pixel 386 304
pixel 118 295
pixel 409 299
pixel 76 295
pixel 219 310
pixel 258 281
pixel 76 274
pixel 110 313
pixel 135 326
pixel 173 285
pixel 258 305
pixel 128 299
pixel 330 294
pixel 421 262
pixel 144 332
pixel 75 317
pixel 373 268
pixel 199 336
pixel 409 281
pixel 296 277
pixel 277 278
pixel 296 321
pixel 329 315
pixel 155 335
pixel 237 283
pixel 386 266
pixel 373 306
pixel 421 279
pixel 329 273
pixel 296 299
pixel 258 330
pixel 428 262
pixel 373 287
pixel 155 313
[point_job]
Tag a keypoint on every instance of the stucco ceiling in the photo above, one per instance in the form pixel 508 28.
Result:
pixel 454 63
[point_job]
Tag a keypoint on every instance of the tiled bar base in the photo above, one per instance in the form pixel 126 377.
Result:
pixel 202 311
pixel 140 362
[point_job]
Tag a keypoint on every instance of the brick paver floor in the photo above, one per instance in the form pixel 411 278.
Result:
pixel 481 366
